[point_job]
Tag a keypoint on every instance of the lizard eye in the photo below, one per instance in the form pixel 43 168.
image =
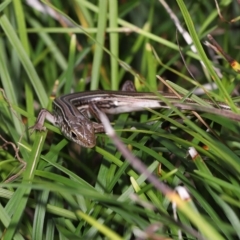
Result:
pixel 73 135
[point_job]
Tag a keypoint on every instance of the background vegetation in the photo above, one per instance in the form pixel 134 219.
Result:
pixel 69 192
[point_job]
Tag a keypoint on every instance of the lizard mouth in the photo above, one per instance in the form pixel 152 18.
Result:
pixel 88 144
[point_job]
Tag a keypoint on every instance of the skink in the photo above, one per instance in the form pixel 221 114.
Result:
pixel 72 112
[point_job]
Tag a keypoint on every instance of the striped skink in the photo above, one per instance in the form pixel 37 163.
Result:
pixel 72 112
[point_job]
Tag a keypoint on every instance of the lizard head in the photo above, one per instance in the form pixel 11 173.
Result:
pixel 82 134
